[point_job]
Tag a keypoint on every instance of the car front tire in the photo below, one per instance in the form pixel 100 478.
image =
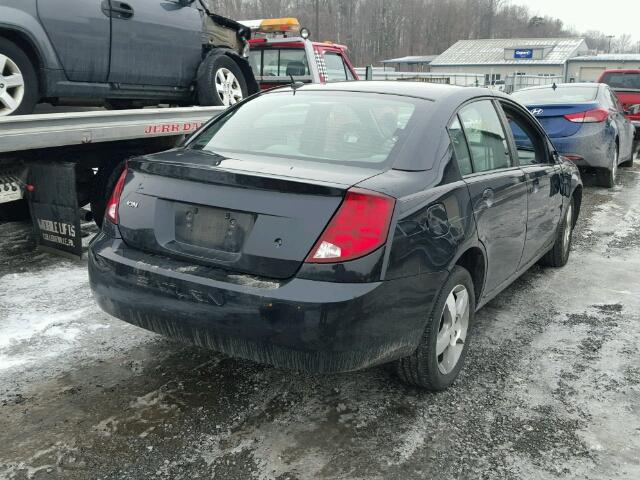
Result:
pixel 559 253
pixel 607 176
pixel 220 81
pixel 18 81
pixel 437 361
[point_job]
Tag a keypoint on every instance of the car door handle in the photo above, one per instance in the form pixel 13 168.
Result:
pixel 121 10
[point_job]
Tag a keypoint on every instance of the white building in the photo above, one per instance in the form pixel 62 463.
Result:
pixel 589 68
pixel 498 58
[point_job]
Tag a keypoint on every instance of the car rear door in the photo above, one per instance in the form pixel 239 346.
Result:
pixel 544 196
pixel 498 192
pixel 154 43
pixel 80 33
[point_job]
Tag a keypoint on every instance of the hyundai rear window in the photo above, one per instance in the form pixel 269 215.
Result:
pixel 330 127
pixel 559 95
pixel 620 80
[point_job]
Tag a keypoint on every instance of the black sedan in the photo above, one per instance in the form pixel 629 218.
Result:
pixel 332 228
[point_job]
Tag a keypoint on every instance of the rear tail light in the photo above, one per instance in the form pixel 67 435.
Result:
pixel 573 157
pixel 360 226
pixel 111 213
pixel 596 115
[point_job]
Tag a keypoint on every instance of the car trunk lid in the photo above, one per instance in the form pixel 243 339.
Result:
pixel 237 214
pixel 551 117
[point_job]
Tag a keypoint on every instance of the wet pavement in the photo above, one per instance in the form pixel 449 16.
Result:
pixel 551 388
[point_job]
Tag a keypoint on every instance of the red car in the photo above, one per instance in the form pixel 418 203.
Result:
pixel 280 50
pixel 626 85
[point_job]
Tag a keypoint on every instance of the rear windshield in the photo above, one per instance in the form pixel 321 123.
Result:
pixel 356 129
pixel 621 80
pixel 563 94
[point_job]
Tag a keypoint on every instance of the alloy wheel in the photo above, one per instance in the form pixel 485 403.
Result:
pixel 453 328
pixel 11 86
pixel 227 87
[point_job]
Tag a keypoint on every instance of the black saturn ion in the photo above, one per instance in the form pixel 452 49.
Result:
pixel 330 228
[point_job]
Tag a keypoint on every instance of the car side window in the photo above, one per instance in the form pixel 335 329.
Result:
pixel 485 136
pixel 460 148
pixel 336 69
pixel 530 144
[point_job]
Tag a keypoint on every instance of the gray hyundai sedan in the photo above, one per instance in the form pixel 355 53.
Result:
pixel 332 228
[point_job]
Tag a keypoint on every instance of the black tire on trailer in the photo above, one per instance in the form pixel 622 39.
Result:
pixel 447 329
pixel 103 184
pixel 25 96
pixel 14 211
pixel 220 81
pixel 559 253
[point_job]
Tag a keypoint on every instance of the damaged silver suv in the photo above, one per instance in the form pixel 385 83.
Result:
pixel 121 54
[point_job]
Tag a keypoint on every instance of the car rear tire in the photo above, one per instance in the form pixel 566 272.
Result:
pixel 18 81
pixel 607 176
pixel 436 362
pixel 220 81
pixel 559 253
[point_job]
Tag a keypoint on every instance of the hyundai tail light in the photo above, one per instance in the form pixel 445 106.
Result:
pixel 360 226
pixel 596 115
pixel 111 213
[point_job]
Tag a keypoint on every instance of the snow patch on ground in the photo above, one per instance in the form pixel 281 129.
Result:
pixel 43 331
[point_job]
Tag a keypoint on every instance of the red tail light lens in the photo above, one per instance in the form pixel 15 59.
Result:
pixel 111 213
pixel 360 226
pixel 596 115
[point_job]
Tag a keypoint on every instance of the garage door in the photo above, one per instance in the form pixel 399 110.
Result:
pixel 590 74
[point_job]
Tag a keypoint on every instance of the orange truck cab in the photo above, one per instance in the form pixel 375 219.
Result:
pixel 280 49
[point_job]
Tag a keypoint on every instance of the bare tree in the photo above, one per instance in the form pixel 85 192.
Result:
pixel 378 29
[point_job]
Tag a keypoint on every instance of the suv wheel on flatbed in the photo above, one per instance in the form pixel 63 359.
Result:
pixel 220 81
pixel 18 81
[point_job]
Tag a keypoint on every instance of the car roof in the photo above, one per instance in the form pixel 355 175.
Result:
pixel 427 91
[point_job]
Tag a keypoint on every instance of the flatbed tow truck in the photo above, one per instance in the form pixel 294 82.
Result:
pixel 61 162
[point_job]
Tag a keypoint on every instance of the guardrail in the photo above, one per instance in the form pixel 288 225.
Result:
pixel 28 132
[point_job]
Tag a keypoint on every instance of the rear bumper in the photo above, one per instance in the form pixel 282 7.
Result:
pixel 297 324
pixel 591 142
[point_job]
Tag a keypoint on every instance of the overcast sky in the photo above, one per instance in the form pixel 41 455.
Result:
pixel 613 17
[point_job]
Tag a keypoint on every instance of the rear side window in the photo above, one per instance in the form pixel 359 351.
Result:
pixel 279 62
pixel 337 71
pixel 460 149
pixel 620 80
pixel 330 127
pixel 530 144
pixel 561 94
pixel 485 136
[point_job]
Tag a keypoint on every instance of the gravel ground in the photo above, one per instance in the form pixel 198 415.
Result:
pixel 551 388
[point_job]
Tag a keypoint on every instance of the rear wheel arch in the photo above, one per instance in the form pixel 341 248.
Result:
pixel 24 42
pixel 473 260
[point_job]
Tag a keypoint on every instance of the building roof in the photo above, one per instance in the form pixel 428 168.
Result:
pixel 609 57
pixel 412 59
pixel 492 51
